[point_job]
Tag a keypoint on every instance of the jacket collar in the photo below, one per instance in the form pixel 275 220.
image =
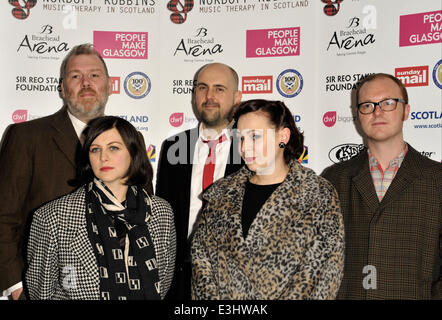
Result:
pixel 64 136
pixel 271 209
pixel 363 181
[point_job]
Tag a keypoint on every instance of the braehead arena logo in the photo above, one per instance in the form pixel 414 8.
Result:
pixel 180 10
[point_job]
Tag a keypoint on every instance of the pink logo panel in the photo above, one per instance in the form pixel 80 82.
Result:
pixel 121 45
pixel 273 42
pixel 420 28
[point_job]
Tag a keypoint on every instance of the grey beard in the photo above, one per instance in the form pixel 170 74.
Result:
pixel 78 110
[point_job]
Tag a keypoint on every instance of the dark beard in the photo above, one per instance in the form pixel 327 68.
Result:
pixel 216 121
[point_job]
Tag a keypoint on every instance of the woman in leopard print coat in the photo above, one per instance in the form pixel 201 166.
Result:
pixel 294 248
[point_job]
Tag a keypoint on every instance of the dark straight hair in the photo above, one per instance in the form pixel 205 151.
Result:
pixel 281 117
pixel 140 171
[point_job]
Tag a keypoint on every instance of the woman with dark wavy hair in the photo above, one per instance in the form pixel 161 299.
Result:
pixel 273 229
pixel 110 239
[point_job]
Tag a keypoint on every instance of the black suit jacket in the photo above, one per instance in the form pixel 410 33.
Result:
pixel 173 184
pixel 37 161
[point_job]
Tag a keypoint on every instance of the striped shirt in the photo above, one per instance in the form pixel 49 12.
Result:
pixel 382 179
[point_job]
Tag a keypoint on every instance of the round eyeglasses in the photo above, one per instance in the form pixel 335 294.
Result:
pixel 385 105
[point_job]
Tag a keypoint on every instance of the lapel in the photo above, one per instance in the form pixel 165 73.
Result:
pixel 64 135
pixel 186 177
pixel 408 171
pixel 81 247
pixel 232 207
pixel 364 183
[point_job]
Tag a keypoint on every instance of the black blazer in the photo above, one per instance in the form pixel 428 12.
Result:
pixel 37 162
pixel 173 184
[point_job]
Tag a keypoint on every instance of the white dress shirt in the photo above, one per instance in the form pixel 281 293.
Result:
pixel 78 124
pixel 199 159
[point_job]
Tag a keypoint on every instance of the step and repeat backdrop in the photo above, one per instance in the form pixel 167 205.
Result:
pixel 307 53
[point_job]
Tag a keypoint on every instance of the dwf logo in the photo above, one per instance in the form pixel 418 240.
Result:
pixel 179 10
pixel 20 116
pixel 176 119
pixel 329 118
pixel 437 74
pixel 22 11
pixel 332 7
pixel 289 83
pixel 345 152
pixel 137 85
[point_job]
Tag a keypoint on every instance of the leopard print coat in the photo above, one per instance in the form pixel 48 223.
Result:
pixel 294 248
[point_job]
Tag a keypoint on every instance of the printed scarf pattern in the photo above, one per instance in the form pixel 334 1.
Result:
pixel 122 243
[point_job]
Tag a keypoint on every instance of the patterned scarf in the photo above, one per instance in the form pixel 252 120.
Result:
pixel 122 243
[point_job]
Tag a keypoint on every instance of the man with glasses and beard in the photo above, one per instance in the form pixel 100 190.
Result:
pixel 192 160
pixel 391 200
pixel 38 157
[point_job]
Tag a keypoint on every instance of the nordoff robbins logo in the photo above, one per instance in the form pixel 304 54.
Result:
pixel 344 152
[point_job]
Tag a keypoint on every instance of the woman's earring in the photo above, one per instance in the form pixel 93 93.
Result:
pixel 282 145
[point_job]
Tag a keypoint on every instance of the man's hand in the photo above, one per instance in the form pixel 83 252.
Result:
pixel 16 293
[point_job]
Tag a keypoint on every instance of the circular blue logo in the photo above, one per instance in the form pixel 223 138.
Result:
pixel 137 85
pixel 437 74
pixel 289 83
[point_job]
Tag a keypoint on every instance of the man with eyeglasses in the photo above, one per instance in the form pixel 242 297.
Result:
pixel 391 198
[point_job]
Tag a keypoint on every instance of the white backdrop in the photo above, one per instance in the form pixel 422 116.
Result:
pixel 305 53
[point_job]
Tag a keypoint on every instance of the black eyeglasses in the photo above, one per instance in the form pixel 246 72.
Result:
pixel 385 105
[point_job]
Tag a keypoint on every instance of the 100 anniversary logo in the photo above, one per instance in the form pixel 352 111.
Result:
pixel 437 74
pixel 289 83
pixel 137 85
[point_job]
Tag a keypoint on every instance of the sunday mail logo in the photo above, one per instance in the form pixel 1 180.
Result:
pixel 413 76
pixel 115 85
pixel 257 84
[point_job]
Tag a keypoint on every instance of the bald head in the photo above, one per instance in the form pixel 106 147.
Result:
pixel 221 67
pixel 216 95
